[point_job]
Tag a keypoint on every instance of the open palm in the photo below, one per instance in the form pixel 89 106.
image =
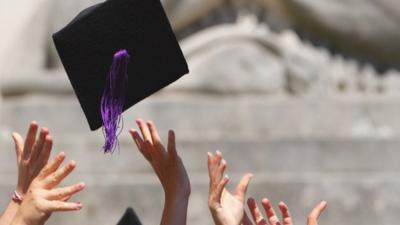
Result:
pixel 226 208
pixel 231 208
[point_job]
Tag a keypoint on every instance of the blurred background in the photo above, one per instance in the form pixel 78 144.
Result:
pixel 303 93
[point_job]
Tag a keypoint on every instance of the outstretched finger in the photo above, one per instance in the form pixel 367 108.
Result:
pixel 269 210
pixel 255 212
pixel 154 133
pixel 210 164
pixel 218 157
pixel 19 145
pixel 60 206
pixel 140 144
pixel 218 165
pixel 157 148
pixel 286 217
pixel 216 193
pixel 172 144
pixel 65 192
pixel 214 172
pixel 30 139
pixel 316 212
pixel 38 146
pixel 241 189
pixel 145 131
pixel 44 155
pixel 58 176
pixel 53 165
pixel 222 167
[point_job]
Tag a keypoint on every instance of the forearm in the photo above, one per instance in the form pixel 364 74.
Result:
pixel 9 214
pixel 18 221
pixel 175 211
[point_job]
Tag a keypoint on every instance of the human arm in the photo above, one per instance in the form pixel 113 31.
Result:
pixel 32 154
pixel 169 169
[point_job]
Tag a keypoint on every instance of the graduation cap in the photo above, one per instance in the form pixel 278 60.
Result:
pixel 117 53
pixel 129 218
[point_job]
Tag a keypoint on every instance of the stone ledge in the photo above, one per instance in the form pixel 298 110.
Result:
pixel 210 118
pixel 300 157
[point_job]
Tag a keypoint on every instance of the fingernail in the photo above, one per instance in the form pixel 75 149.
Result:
pixel 209 154
pixel 265 200
pixel 226 176
pixel 79 206
pixel 223 161
pixel 72 163
pixel 81 185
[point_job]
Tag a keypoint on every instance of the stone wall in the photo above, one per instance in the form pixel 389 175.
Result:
pixel 343 150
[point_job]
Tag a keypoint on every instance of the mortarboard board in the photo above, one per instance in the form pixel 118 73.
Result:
pixel 117 53
pixel 129 218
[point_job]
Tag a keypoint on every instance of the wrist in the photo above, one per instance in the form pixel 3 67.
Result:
pixel 18 220
pixel 177 203
pixel 175 210
pixel 21 218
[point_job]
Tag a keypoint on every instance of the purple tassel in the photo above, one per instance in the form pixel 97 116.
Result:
pixel 113 99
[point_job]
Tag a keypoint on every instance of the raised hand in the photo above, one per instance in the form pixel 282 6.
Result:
pixel 43 197
pixel 226 208
pixel 169 169
pixel 32 154
pixel 272 218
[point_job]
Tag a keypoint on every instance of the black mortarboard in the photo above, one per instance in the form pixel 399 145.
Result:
pixel 129 218
pixel 117 53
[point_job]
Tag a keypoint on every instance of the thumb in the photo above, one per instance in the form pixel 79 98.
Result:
pixel 241 189
pixel 315 213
